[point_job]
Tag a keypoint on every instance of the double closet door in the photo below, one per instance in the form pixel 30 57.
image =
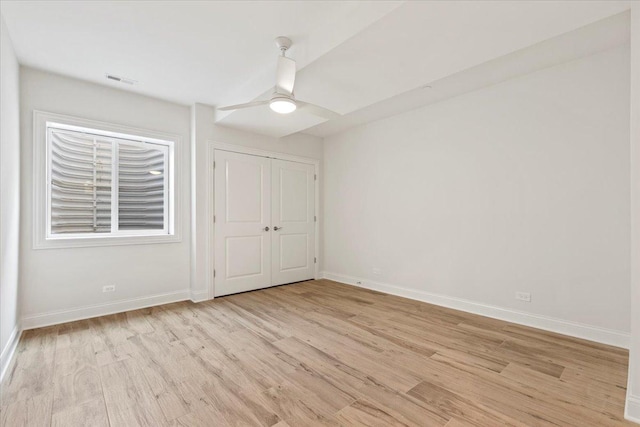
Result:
pixel 264 222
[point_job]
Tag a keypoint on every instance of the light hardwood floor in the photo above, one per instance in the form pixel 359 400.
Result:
pixel 313 353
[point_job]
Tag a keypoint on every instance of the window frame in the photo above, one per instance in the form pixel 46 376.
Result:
pixel 42 236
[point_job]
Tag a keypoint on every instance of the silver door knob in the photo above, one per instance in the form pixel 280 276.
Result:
pixel 276 228
pixel 266 229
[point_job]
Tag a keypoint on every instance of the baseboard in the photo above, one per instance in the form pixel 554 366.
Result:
pixel 574 329
pixel 96 310
pixel 632 409
pixel 9 351
pixel 199 296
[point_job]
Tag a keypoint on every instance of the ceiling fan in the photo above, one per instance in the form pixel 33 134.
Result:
pixel 283 100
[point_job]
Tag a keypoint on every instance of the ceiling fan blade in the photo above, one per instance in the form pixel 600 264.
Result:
pixel 285 75
pixel 246 105
pixel 317 110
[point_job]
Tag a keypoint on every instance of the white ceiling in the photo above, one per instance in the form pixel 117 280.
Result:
pixel 182 51
pixel 364 59
pixel 584 41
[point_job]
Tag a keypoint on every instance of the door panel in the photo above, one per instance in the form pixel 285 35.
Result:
pixel 244 255
pixel 244 192
pixel 243 212
pixel 294 251
pixel 293 191
pixel 293 208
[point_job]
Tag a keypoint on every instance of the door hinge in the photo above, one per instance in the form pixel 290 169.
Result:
pixel 315 218
pixel 315 260
pixel 315 177
pixel 214 273
pixel 214 165
pixel 214 218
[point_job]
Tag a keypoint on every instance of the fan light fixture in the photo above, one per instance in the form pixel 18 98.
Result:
pixel 282 105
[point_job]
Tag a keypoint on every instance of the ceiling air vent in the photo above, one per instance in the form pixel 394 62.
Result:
pixel 125 80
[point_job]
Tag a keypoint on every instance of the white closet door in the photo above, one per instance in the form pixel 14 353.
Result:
pixel 243 222
pixel 293 236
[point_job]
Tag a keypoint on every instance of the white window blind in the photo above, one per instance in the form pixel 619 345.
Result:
pixel 141 187
pixel 80 183
pixel 101 185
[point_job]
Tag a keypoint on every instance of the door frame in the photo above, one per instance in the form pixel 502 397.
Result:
pixel 212 146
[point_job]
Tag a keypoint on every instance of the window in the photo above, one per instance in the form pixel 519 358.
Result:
pixel 102 186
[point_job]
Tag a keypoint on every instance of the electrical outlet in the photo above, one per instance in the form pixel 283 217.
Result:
pixel 523 296
pixel 377 271
pixel 109 288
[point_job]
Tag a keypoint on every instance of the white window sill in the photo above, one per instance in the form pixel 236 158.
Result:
pixel 92 241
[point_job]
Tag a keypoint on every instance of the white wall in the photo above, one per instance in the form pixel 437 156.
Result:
pixel 632 410
pixel 9 194
pixel 522 186
pixel 203 132
pixel 60 284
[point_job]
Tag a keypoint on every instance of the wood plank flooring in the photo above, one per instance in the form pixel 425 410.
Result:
pixel 313 353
